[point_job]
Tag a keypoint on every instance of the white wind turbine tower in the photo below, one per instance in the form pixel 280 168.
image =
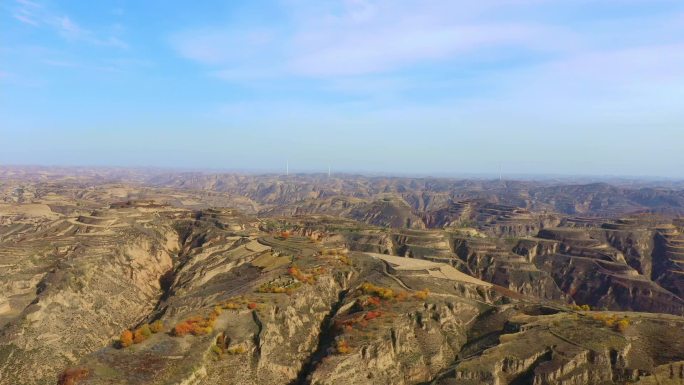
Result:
pixel 328 171
pixel 287 167
pixel 500 173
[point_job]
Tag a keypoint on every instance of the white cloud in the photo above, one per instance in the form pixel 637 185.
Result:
pixel 363 37
pixel 25 19
pixel 38 15
pixel 223 46
pixel 393 48
pixel 376 49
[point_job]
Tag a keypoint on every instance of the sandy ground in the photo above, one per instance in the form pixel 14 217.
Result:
pixel 29 209
pixel 433 269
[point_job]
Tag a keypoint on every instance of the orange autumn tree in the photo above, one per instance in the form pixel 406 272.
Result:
pixel 141 334
pixel 126 338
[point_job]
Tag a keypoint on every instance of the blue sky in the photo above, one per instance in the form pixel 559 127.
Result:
pixel 427 87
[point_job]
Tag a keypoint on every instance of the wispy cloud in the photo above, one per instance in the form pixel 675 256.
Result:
pixel 40 16
pixel 358 38
pixel 362 37
pixel 215 46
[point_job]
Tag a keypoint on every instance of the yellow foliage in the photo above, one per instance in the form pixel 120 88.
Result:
pixel 157 326
pixel 342 347
pixel 622 325
pixel 237 349
pixel 300 276
pixel 421 294
pixel 611 321
pixel 231 306
pixel 382 292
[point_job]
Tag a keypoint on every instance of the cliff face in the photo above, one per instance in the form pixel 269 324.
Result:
pixel 507 269
pixel 603 284
pixel 637 246
pixel 565 349
pixel 668 260
pixel 607 267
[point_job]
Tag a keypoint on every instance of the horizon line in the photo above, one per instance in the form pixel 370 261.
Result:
pixel 506 177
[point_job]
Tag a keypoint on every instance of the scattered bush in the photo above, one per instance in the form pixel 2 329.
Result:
pixel 217 350
pixel 138 337
pixel 382 292
pixel 145 330
pixel 126 338
pixel 300 276
pixel 342 347
pixel 622 325
pixel 141 334
pixel 72 376
pixel 215 314
pixel 181 329
pixel 421 294
pixel 372 315
pixel 196 326
pixel 612 321
pixel 157 326
pixel 238 349
pixel 231 306
pixel 273 287
pixel 401 296
pixel 372 302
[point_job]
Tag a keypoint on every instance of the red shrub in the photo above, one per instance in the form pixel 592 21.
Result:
pixel 72 376
pixel 373 301
pixel 251 306
pixel 401 296
pixel 182 328
pixel 372 315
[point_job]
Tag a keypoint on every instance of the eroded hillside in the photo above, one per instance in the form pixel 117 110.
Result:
pixel 195 280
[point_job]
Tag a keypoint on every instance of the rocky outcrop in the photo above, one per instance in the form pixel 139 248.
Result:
pixel 610 285
pixel 515 272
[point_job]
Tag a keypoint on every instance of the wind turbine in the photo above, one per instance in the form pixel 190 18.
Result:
pixel 500 174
